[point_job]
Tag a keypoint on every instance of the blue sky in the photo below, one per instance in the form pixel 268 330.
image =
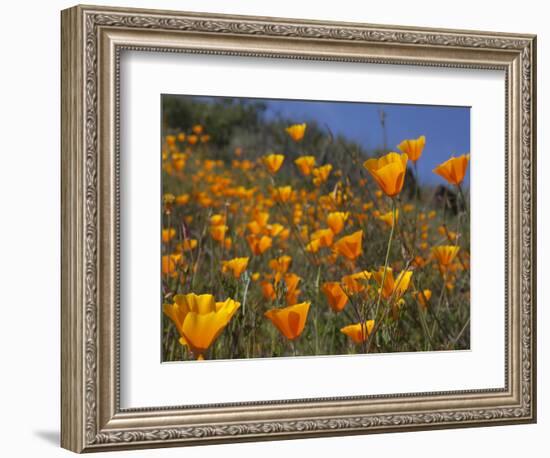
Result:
pixel 446 128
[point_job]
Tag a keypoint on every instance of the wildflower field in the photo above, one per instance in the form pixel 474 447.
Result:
pixel 281 238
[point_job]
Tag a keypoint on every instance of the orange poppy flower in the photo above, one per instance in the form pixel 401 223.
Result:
pixel 273 162
pixel 296 131
pixel 168 234
pixel 280 264
pixel 178 161
pixel 359 332
pixel 268 290
pixel 170 263
pixel 325 237
pixel 350 246
pixel 423 298
pixel 336 296
pixel 197 129
pixel 393 287
pixel 356 282
pixel 217 220
pixel 445 254
pixel 337 220
pixel 321 174
pixel 182 199
pixel 282 194
pixel 388 172
pixel 454 169
pixel 313 246
pixel 387 218
pixel 291 320
pixel 168 201
pixel 413 147
pixel 259 245
pixel 199 319
pixel 236 266
pixel 217 232
pixel 305 164
pixel 292 291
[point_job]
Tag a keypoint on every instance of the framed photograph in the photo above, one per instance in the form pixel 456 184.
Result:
pixel 279 228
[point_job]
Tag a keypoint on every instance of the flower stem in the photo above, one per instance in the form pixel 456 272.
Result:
pixel 383 282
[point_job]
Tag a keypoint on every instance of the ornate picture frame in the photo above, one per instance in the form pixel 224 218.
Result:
pixel 93 39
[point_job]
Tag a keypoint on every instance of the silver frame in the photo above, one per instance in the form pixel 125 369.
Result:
pixel 92 40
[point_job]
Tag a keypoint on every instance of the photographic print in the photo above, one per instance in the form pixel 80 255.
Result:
pixel 304 228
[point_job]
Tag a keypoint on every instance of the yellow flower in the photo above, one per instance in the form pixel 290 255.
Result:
pixel 350 246
pixel 454 169
pixel 168 234
pixel 388 217
pixel 336 296
pixel 393 287
pixel 389 172
pixel 236 265
pixel 445 254
pixel 356 282
pixel 291 320
pixel 181 137
pixel 199 319
pixel 273 162
pixel 296 131
pixel 423 298
pixel 325 237
pixel 218 232
pixel 305 164
pixel 259 245
pixel 359 332
pixel 336 221
pixel 413 147
pixel 282 194
pixel 280 264
pixel 320 174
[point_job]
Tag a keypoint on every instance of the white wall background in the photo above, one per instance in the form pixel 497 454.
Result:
pixel 29 228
